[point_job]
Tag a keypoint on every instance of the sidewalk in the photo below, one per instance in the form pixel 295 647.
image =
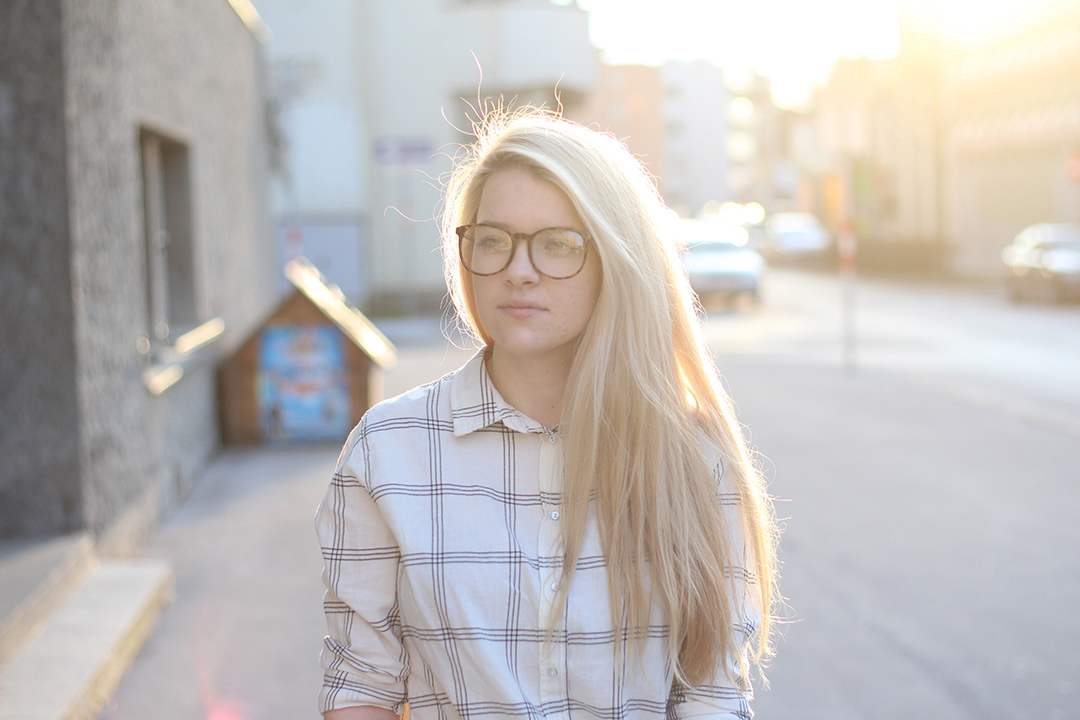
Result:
pixel 242 637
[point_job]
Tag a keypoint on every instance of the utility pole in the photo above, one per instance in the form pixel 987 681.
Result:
pixel 846 245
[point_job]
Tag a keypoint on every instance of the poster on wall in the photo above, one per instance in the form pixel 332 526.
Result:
pixel 303 383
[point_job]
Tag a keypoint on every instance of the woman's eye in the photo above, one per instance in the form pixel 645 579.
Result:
pixel 490 241
pixel 562 243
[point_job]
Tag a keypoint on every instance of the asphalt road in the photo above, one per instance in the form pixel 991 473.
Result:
pixel 931 547
pixel 967 342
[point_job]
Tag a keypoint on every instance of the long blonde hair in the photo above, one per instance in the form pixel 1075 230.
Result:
pixel 641 394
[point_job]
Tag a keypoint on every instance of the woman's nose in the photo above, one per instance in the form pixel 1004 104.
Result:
pixel 521 268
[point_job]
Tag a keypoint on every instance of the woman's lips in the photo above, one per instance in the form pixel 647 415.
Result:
pixel 521 309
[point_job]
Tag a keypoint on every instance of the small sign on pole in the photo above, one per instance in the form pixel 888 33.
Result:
pixel 1072 167
pixel 404 150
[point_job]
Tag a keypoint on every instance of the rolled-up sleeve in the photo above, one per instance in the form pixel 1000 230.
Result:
pixel 363 660
pixel 721 699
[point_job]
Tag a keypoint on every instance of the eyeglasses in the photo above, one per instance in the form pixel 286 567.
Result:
pixel 556 253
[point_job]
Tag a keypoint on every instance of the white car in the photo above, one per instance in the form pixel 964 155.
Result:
pixel 795 235
pixel 1043 263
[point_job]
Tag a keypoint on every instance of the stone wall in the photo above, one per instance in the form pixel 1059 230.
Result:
pixel 191 72
pixel 39 411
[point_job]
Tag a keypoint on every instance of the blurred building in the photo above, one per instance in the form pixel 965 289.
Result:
pixel 762 144
pixel 628 102
pixel 937 158
pixel 877 125
pixel 134 252
pixel 1013 135
pixel 798 166
pixel 705 139
pixel 373 99
pixel 699 162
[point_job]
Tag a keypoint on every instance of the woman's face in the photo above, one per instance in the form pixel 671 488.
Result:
pixel 530 317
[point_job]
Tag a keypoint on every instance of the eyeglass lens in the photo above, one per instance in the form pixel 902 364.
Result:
pixel 555 252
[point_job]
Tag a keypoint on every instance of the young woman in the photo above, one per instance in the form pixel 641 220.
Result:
pixel 570 525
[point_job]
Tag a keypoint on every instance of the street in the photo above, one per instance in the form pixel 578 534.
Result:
pixel 929 496
pixel 931 551
pixel 967 342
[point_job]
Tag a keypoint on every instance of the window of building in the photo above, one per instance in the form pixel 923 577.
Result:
pixel 172 307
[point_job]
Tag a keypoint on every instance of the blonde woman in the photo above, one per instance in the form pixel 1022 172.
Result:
pixel 570 525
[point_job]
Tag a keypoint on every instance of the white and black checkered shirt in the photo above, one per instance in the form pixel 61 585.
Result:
pixel 440 534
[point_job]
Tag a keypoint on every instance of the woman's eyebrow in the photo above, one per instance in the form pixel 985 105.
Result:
pixel 506 228
pixel 492 223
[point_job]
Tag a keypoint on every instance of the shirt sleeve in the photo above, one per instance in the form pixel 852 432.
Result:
pixel 720 699
pixel 363 660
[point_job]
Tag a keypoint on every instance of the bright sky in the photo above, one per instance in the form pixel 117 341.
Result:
pixel 794 42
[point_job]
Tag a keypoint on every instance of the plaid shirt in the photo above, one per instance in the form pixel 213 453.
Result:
pixel 440 535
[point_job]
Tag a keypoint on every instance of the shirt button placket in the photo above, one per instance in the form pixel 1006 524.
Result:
pixel 552 664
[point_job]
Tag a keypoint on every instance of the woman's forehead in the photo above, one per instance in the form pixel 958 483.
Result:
pixel 519 201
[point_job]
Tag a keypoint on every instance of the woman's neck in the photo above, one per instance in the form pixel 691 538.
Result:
pixel 533 386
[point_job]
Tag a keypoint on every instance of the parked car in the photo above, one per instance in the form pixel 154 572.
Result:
pixel 1043 263
pixel 795 236
pixel 719 259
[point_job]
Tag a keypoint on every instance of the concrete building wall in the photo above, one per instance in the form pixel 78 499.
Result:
pixel 118 427
pixel 414 60
pixel 39 410
pixel 374 101
pixel 315 64
pixel 190 74
pixel 320 196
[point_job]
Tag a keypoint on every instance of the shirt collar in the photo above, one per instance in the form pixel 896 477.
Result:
pixel 476 404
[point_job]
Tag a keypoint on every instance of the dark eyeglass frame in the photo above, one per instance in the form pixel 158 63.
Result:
pixel 515 238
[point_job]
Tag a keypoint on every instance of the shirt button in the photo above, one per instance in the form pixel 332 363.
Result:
pixel 552 438
pixel 552 672
pixel 555 515
pixel 554 586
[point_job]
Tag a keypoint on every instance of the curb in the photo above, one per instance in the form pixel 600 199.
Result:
pixel 74 666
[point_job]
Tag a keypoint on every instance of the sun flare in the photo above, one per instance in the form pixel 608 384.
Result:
pixel 793 42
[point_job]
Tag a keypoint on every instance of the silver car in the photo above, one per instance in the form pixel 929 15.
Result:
pixel 720 261
pixel 1043 263
pixel 795 236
